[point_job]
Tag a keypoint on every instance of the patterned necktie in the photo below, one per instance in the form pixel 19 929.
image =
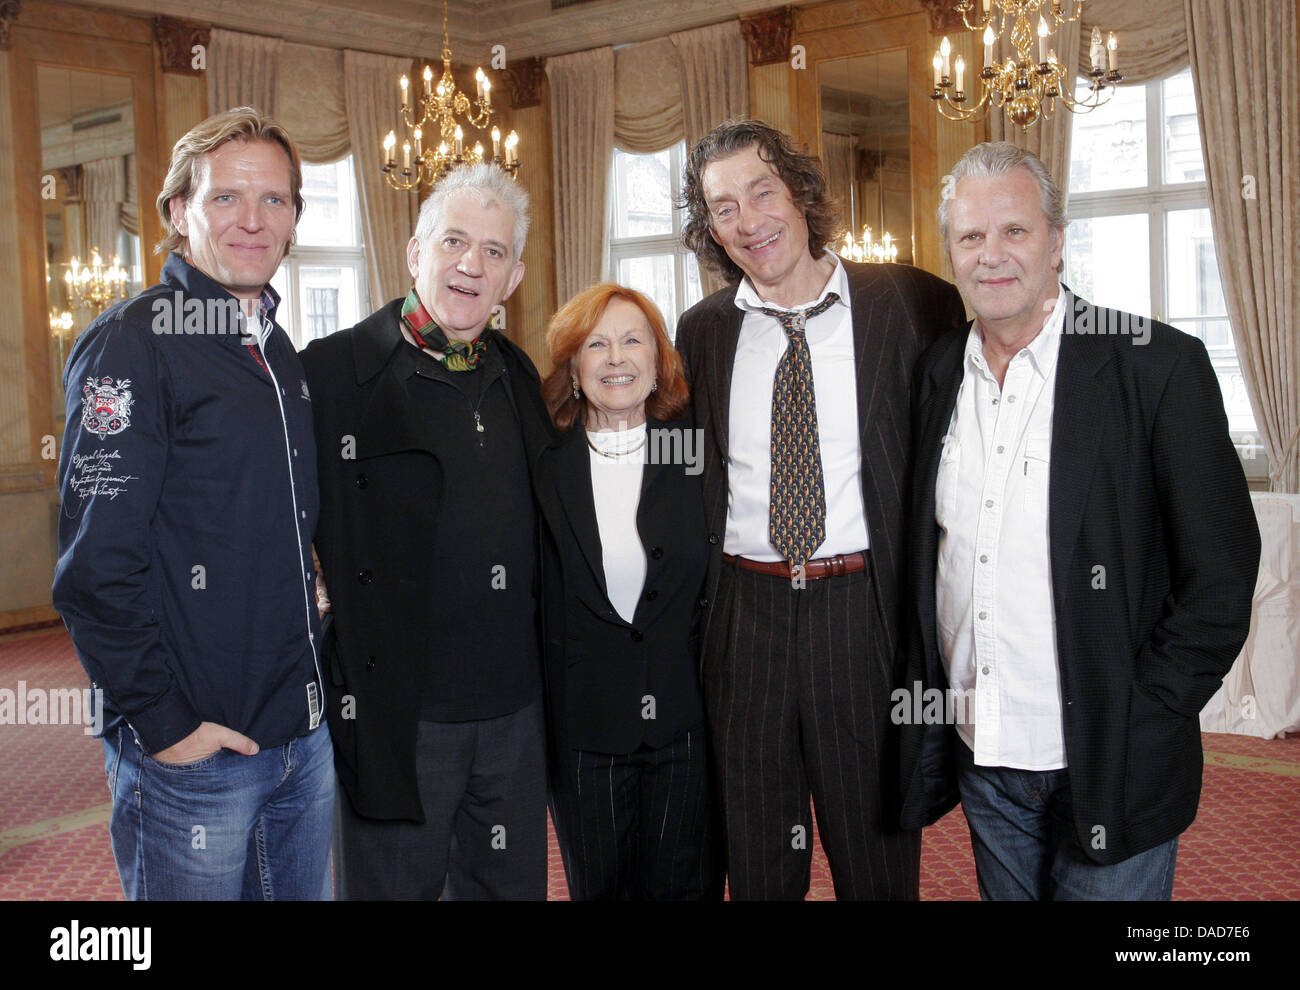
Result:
pixel 797 509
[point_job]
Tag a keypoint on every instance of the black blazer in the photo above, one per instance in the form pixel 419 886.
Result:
pixel 600 669
pixel 1143 482
pixel 379 482
pixel 897 311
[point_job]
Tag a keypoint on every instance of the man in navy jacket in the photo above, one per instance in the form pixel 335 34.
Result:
pixel 185 570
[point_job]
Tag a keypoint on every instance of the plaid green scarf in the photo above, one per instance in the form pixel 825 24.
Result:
pixel 456 354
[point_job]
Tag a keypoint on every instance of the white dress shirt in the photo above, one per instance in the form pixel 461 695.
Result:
pixel 616 489
pixel 993 586
pixel 749 442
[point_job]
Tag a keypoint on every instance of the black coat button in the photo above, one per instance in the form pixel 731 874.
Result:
pixel 366 576
pixel 713 538
pixel 656 553
pixel 704 603
pixel 362 481
pixel 651 595
pixel 636 636
pixel 370 663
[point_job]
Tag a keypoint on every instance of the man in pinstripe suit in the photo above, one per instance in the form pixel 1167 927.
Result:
pixel 801 631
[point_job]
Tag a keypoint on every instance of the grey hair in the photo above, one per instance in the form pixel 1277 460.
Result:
pixel 487 184
pixel 998 158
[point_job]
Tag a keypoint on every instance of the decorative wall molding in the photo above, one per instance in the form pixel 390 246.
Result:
pixel 943 18
pixel 176 40
pixel 525 78
pixel 9 10
pixel 768 36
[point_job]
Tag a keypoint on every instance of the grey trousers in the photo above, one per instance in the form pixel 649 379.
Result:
pixel 483 791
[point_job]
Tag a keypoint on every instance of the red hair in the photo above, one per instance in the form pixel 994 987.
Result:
pixel 569 329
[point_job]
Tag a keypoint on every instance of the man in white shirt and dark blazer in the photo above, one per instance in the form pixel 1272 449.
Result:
pixel 1083 553
pixel 806 537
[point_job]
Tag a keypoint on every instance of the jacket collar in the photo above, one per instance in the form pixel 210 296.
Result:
pixel 177 273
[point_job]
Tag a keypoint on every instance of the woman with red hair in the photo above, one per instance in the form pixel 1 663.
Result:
pixel 624 555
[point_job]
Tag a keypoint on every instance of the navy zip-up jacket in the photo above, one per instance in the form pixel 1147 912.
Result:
pixel 188 481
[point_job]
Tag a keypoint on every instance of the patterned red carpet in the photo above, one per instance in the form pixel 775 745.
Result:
pixel 1244 845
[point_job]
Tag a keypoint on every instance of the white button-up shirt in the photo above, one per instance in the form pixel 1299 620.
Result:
pixel 993 586
pixel 749 442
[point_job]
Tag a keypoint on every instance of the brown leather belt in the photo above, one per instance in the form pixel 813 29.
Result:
pixel 841 563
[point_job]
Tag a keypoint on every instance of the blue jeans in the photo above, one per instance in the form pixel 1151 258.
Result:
pixel 1026 848
pixel 227 827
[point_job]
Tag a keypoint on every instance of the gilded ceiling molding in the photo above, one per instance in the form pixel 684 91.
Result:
pixel 944 19
pixel 8 14
pixel 768 36
pixel 525 77
pixel 176 40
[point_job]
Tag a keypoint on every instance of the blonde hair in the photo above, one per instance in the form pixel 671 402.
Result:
pixel 236 124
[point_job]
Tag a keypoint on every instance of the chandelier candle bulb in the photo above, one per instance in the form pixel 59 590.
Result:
pixel 1094 50
pixel 1112 52
pixel 390 142
pixel 406 156
pixel 419 135
pixel 1043 32
pixel 961 74
pixel 945 49
pixel 487 93
pixel 938 71
pixel 428 82
pixel 987 3
pixel 460 137
pixel 404 83
pixel 989 38
pixel 496 142
pixel 478 151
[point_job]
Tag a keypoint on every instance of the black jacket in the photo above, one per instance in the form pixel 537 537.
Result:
pixel 1143 482
pixel 380 483
pixel 189 499
pixel 600 669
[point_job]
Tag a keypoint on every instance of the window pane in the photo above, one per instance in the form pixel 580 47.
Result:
pixel 1183 161
pixel 328 296
pixel 284 312
pixel 330 216
pixel 1108 147
pixel 643 194
pixel 1108 262
pixel 1192 267
pixel 652 275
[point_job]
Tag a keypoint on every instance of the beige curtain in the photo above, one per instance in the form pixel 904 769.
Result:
pixel 387 216
pixel 582 132
pixel 838 153
pixel 309 101
pixel 103 191
pixel 1152 36
pixel 714 64
pixel 647 97
pixel 242 70
pixel 130 215
pixel 1249 113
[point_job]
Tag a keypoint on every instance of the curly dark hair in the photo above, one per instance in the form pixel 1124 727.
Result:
pixel 802 175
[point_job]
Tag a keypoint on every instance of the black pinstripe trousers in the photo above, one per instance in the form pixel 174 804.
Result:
pixel 797 684
pixel 639 826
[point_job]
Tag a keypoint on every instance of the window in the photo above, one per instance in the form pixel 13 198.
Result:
pixel 645 246
pixel 1140 239
pixel 323 283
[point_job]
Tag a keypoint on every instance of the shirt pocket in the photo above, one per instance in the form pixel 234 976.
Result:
pixel 1037 469
pixel 945 484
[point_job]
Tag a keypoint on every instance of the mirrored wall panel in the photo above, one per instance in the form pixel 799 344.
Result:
pixel 866 150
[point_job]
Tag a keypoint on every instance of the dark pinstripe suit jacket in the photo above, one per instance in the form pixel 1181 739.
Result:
pixel 1143 482
pixel 897 311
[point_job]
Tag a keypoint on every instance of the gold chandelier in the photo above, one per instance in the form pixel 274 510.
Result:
pixel 433 116
pixel 1025 86
pixel 96 285
pixel 885 249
